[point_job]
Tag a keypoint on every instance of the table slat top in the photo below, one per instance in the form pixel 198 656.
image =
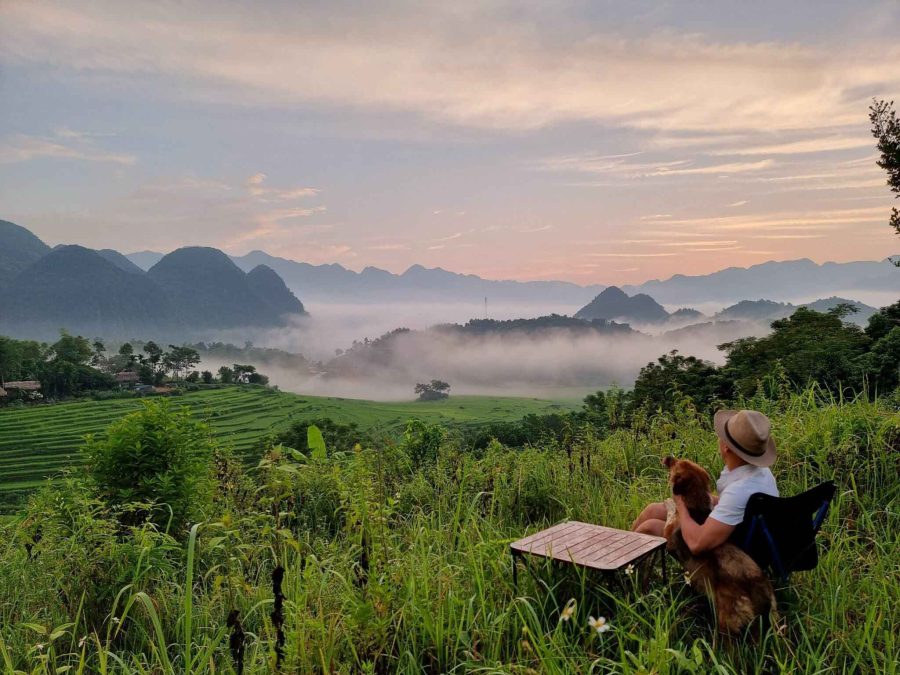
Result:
pixel 595 546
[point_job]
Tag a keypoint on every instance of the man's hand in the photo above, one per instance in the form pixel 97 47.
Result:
pixel 700 538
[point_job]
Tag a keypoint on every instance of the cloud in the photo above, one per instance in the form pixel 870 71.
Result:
pixel 717 169
pixel 478 66
pixel 389 247
pixel 66 144
pixel 631 255
pixel 451 237
pixel 256 188
pixel 812 145
pixel 785 220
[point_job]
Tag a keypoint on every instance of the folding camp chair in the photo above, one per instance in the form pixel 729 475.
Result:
pixel 779 533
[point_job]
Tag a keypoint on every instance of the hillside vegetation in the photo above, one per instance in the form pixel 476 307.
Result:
pixel 40 441
pixel 394 558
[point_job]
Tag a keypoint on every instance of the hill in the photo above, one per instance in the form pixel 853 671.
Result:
pixel 756 310
pixel 77 288
pixel 268 286
pixel 120 261
pixel 615 304
pixel 19 248
pixel 209 291
pixel 769 310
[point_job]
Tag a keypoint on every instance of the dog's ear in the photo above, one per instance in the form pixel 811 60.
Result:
pixel 668 461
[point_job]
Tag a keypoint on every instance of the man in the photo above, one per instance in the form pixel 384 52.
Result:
pixel 748 450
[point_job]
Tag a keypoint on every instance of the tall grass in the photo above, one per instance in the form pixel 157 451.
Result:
pixel 396 566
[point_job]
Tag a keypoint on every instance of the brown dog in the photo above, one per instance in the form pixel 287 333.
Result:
pixel 739 589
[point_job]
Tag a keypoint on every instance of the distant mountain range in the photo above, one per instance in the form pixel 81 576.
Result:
pixel 335 283
pixel 783 281
pixel 103 293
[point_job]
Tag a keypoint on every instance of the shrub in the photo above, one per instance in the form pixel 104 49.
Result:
pixel 155 456
pixel 422 441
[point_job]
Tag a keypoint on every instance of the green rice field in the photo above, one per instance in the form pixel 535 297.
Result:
pixel 39 441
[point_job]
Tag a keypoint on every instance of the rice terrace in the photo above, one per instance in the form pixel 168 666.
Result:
pixel 38 443
pixel 504 338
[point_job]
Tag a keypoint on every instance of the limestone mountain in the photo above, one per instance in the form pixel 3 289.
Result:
pixel 614 304
pixel 268 286
pixel 120 261
pixel 769 310
pixel 209 291
pixel 19 248
pixel 78 289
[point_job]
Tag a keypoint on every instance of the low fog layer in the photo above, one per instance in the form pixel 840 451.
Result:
pixel 545 364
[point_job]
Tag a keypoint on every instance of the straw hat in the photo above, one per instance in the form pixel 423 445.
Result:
pixel 747 434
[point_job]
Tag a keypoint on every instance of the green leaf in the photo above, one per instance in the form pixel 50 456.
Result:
pixel 316 442
pixel 36 627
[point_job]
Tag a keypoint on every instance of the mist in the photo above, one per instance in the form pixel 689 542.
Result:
pixel 546 364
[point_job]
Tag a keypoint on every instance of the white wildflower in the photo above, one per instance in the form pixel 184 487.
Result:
pixel 568 611
pixel 600 625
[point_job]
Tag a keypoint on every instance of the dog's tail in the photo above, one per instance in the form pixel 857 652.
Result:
pixel 763 598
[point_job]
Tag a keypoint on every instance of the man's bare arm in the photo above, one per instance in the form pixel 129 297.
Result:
pixel 700 538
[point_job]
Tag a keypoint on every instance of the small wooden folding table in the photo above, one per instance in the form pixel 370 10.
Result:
pixel 591 546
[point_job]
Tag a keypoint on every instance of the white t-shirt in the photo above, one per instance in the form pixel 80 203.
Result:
pixel 735 488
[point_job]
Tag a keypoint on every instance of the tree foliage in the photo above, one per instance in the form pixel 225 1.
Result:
pixel 433 391
pixel 674 373
pixel 886 129
pixel 810 346
pixel 158 459
pixel 338 437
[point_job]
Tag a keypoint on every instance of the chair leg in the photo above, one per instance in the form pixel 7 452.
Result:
pixel 776 557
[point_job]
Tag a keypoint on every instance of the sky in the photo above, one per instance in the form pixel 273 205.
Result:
pixel 595 142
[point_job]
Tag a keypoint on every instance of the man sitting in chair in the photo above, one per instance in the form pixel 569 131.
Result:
pixel 748 450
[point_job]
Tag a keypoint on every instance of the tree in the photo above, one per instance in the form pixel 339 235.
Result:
pixel 155 456
pixel 886 128
pixel 809 346
pixel 20 359
pixel 72 349
pixel 206 377
pixel 257 378
pixel 673 373
pixel 433 391
pixel 226 375
pixel 881 364
pixel 883 321
pixel 154 354
pixel 99 348
pixel 127 351
pixel 180 359
pixel 242 373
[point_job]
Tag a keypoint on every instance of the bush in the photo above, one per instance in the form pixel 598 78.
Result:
pixel 159 458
